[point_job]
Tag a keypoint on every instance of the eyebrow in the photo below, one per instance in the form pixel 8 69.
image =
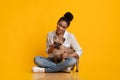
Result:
pixel 62 25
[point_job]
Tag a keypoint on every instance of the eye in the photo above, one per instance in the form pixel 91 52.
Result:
pixel 64 27
pixel 60 25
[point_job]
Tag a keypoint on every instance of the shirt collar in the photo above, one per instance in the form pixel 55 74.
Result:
pixel 65 34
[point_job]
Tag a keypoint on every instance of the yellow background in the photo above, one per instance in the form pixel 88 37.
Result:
pixel 24 25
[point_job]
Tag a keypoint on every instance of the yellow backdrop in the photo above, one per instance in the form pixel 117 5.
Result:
pixel 24 25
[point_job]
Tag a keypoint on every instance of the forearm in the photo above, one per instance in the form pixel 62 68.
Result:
pixel 50 50
pixel 75 55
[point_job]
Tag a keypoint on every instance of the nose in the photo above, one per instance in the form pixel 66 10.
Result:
pixel 61 28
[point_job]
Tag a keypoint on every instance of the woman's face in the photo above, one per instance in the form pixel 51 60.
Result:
pixel 61 27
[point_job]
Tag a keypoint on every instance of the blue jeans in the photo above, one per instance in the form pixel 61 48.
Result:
pixel 50 66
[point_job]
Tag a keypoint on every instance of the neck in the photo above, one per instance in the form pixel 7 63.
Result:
pixel 59 34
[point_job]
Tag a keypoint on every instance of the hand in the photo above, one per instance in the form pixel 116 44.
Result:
pixel 73 55
pixel 64 55
pixel 51 48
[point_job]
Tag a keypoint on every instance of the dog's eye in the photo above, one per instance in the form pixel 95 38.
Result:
pixel 54 42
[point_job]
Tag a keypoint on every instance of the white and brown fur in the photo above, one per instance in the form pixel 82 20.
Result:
pixel 60 49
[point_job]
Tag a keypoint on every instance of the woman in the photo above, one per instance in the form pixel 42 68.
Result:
pixel 47 64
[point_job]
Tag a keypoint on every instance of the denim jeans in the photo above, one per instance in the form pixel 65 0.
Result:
pixel 50 66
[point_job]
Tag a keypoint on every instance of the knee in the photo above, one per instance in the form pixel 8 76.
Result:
pixel 37 59
pixel 72 61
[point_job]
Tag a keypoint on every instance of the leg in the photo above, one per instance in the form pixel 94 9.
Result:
pixel 44 62
pixel 77 65
pixel 73 67
pixel 61 66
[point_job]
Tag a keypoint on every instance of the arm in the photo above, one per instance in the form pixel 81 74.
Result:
pixel 49 44
pixel 51 48
pixel 76 47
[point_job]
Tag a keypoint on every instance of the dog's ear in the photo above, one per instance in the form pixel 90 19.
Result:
pixel 55 39
pixel 63 39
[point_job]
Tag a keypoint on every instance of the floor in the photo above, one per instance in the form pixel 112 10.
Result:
pixel 56 76
pixel 87 72
pixel 94 69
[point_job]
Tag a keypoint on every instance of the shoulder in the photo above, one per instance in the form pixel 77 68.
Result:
pixel 69 34
pixel 51 33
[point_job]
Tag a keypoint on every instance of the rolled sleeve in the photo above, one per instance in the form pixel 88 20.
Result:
pixel 48 42
pixel 75 45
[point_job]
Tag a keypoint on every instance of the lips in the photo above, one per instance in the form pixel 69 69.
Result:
pixel 60 31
